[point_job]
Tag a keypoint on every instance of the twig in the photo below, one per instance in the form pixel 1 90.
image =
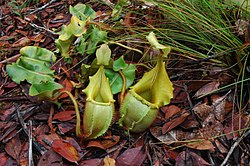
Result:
pixel 10 59
pixel 14 98
pixel 234 146
pixel 42 28
pixel 31 162
pixel 43 7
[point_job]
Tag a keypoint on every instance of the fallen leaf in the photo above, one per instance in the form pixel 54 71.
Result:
pixel 3 158
pixel 24 41
pixel 66 127
pixel 133 156
pixel 190 158
pixel 67 85
pixel 212 86
pixel 66 150
pixel 105 143
pixel 50 158
pixel 91 162
pixel 201 145
pixel 202 111
pixel 170 111
pixel 65 115
pixel 13 147
pixel 23 159
pixel 174 122
pixel 167 138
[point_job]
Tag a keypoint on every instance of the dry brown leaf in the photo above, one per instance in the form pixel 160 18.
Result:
pixel 175 121
pixel 207 89
pixel 133 156
pixel 13 147
pixel 201 145
pixel 65 115
pixel 50 158
pixel 190 158
pixel 66 150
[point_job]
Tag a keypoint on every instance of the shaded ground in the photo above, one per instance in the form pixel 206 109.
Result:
pixel 192 130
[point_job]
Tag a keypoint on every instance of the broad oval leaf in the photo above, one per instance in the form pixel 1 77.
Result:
pixel 38 53
pixel 44 90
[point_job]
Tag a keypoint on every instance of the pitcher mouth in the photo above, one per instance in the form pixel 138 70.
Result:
pixel 100 103
pixel 144 101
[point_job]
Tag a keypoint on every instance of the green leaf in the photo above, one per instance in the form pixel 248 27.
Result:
pixel 44 90
pixel 33 66
pixel 119 64
pixel 115 78
pixel 103 55
pixel 82 11
pixel 96 37
pixel 19 73
pixel 76 28
pixel 38 53
pixel 81 48
pixel 64 46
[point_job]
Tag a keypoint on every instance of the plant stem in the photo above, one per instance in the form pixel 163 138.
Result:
pixel 123 86
pixel 78 119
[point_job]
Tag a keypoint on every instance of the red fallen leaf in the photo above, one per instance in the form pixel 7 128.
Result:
pixel 23 159
pixel 50 158
pixel 47 139
pixel 177 117
pixel 104 144
pixel 65 115
pixel 170 111
pixel 171 154
pixel 67 85
pixel 13 147
pixel 11 85
pixel 190 123
pixel 207 88
pixel 5 113
pixel 133 156
pixel 1 91
pixel 190 158
pixel 237 124
pixel 91 162
pixel 66 150
pixel 201 145
pixel 3 158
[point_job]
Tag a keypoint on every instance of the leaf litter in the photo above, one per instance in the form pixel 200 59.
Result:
pixel 197 128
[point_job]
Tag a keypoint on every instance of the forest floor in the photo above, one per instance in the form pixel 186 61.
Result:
pixel 197 127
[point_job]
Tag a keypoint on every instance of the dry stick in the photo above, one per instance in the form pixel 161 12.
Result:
pixel 43 7
pixel 42 28
pixel 31 162
pixel 10 59
pixel 234 146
